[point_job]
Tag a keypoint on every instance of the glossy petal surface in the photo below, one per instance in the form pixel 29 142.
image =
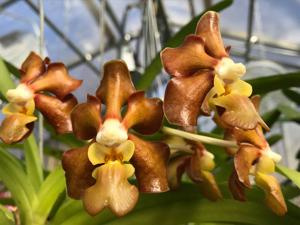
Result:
pixel 188 58
pixel 150 161
pixel 32 67
pixel 78 170
pixel 143 114
pixel 184 97
pixel 86 118
pixel 57 112
pixel 115 88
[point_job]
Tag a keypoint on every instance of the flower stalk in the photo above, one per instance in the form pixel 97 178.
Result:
pixel 199 138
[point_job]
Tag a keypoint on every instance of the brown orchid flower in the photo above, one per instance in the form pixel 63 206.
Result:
pixel 37 77
pixel 254 157
pixel 98 173
pixel 205 78
pixel 196 161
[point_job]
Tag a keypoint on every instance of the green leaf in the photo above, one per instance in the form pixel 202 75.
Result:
pixel 272 140
pixel 33 162
pixel 292 175
pixel 264 85
pixel 271 117
pixel 6 217
pixel 6 81
pixel 13 176
pixel 179 207
pixel 292 95
pixel 289 113
pixel 155 67
pixel 50 190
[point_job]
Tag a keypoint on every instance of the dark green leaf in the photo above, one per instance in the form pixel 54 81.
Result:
pixel 272 140
pixel 292 95
pixel 264 85
pixel 289 113
pixel 271 117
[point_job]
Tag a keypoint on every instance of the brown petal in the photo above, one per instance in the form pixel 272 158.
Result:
pixel 239 112
pixel 78 170
pixel 208 29
pixel 57 112
pixel 236 188
pixel 16 127
pixel 115 87
pixel 209 187
pixel 255 137
pixel 256 99
pixel 184 97
pixel 86 118
pixel 111 190
pixel 243 161
pixel 273 195
pixel 150 161
pixel 32 67
pixel 176 168
pixel 188 58
pixel 56 80
pixel 145 115
pixel 229 137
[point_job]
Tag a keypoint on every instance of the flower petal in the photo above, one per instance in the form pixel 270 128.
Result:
pixel 145 115
pixel 111 190
pixel 97 153
pixel 16 127
pixel 126 149
pixel 239 112
pixel 57 112
pixel 188 58
pixel 12 108
pixel 86 118
pixel 184 97
pixel 32 67
pixel 208 29
pixel 78 171
pixel 239 87
pixel 176 168
pixel 273 195
pixel 56 80
pixel 243 161
pixel 236 188
pixel 115 88
pixel 150 161
pixel 254 137
pixel 199 168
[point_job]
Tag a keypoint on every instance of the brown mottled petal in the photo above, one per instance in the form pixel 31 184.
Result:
pixel 184 97
pixel 115 87
pixel 208 29
pixel 32 67
pixel 273 195
pixel 16 127
pixel 243 162
pixel 209 187
pixel 57 112
pixel 111 190
pixel 145 115
pixel 176 168
pixel 78 171
pixel 239 112
pixel 255 137
pixel 188 58
pixel 86 118
pixel 236 188
pixel 150 161
pixel 56 80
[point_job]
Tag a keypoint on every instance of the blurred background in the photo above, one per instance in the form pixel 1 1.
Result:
pixel 263 34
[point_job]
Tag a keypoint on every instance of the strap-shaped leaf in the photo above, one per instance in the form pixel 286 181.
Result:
pixel 6 217
pixel 292 175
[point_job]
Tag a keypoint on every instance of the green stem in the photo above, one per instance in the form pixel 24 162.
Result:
pixel 199 138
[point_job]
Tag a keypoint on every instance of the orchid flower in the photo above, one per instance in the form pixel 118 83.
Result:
pixel 98 173
pixel 196 161
pixel 205 78
pixel 37 77
pixel 254 157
